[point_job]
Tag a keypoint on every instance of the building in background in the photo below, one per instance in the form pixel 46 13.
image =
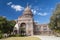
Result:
pixel 42 29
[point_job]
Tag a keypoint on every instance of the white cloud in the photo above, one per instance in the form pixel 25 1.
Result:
pixel 17 7
pixel 4 16
pixel 9 3
pixel 37 9
pixel 51 8
pixel 36 21
pixel 34 11
pixel 42 14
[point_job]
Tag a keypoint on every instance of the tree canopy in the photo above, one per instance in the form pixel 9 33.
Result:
pixel 6 26
pixel 55 19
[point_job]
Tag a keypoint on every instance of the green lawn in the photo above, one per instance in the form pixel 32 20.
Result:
pixel 21 38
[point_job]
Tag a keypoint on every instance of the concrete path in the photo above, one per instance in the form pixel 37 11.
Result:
pixel 48 37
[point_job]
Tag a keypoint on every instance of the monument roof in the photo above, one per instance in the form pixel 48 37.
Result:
pixel 27 10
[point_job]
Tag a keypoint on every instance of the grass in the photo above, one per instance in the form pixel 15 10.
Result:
pixel 21 38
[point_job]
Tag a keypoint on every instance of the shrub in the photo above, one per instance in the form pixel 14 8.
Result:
pixel 0 36
pixel 17 35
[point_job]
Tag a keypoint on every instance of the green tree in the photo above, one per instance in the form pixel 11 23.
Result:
pixel 3 22
pixel 11 25
pixel 55 19
pixel 6 26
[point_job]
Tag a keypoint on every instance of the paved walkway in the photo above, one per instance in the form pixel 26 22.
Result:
pixel 48 37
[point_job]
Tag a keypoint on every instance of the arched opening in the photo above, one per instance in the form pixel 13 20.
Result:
pixel 23 29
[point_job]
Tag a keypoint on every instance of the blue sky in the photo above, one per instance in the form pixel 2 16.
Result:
pixel 42 9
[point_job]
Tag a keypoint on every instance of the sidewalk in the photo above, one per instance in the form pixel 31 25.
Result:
pixel 48 37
